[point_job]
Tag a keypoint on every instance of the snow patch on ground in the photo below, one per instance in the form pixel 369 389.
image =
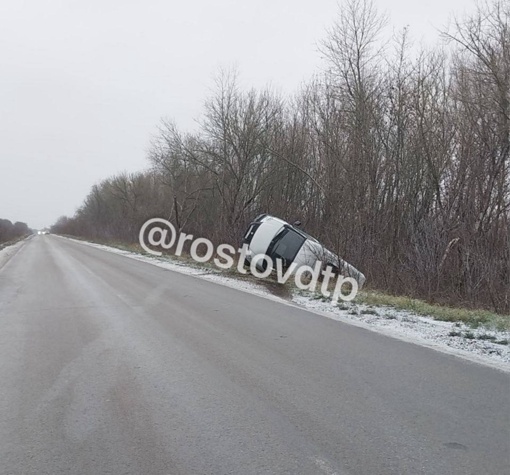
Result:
pixel 481 344
pixel 7 252
pixel 489 344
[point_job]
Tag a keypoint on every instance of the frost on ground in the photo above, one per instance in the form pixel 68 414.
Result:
pixel 488 343
pixel 8 251
pixel 481 344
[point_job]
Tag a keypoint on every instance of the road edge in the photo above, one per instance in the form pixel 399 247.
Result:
pixel 464 355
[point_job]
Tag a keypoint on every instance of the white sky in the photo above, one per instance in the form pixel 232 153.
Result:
pixel 84 83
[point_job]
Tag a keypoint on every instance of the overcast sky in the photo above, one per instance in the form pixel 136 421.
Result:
pixel 84 83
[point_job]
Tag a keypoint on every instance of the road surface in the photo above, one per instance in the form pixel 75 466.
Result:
pixel 110 365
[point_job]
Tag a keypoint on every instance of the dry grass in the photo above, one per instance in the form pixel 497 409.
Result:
pixel 473 318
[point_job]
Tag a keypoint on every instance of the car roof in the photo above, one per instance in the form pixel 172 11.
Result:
pixel 267 217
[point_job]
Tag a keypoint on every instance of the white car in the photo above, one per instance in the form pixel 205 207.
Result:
pixel 280 240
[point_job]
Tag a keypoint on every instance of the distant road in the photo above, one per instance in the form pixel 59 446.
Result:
pixel 109 365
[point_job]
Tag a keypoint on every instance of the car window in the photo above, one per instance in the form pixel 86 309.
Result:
pixel 288 246
pixel 251 231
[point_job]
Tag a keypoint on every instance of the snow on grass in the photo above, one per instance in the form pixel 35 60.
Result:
pixel 484 345
pixel 487 344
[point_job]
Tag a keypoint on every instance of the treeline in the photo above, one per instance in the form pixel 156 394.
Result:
pixel 10 231
pixel 398 161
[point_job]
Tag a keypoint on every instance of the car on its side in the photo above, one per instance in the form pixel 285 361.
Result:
pixel 278 239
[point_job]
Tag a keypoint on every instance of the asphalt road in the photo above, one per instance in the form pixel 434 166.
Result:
pixel 109 365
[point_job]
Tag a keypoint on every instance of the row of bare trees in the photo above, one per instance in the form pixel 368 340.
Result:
pixel 397 160
pixel 10 231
